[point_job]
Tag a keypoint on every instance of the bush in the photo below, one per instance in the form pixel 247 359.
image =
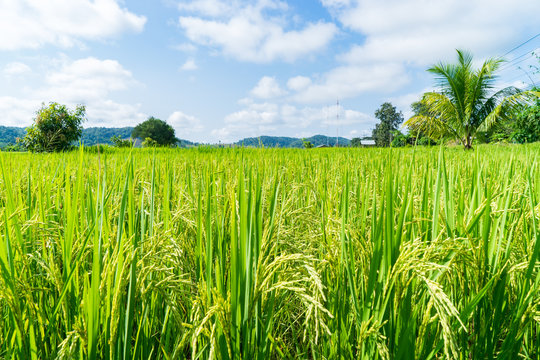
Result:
pixel 121 143
pixel 399 139
pixel 55 128
pixel 149 142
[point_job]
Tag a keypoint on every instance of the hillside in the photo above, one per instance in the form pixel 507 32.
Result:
pixel 90 136
pixel 292 142
pixel 9 135
pixel 103 135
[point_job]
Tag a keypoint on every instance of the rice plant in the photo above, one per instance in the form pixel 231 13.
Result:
pixel 425 253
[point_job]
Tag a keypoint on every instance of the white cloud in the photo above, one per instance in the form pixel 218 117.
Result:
pixel 184 124
pixel 16 111
pixel 268 118
pixel 335 3
pixel 88 81
pixel 420 32
pixel 403 102
pixel 298 83
pixel 84 80
pixel 16 68
pixel 185 47
pixel 32 24
pixel 352 80
pixel 189 65
pixel 244 31
pixel 267 88
pixel 108 113
pixel 211 8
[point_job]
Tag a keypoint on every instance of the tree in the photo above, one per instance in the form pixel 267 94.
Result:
pixel 356 142
pixel 157 130
pixel 121 143
pixel 399 139
pixel 466 103
pixel 526 127
pixel 55 128
pixel 416 136
pixel 390 119
pixel 307 144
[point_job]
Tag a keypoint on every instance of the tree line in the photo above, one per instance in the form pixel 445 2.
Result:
pixel 465 110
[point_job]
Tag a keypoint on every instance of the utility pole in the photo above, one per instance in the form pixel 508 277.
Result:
pixel 337 123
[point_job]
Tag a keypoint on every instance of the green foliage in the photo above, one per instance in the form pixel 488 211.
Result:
pixel 522 127
pixel 14 148
pixel 103 135
pixel 149 142
pixel 9 135
pixel 466 103
pixel 399 139
pixel 526 127
pixel 98 149
pixel 238 253
pixel 121 143
pixel 424 141
pixel 55 128
pixel 390 119
pixel 161 133
pixel 307 144
pixel 291 142
pixel 356 142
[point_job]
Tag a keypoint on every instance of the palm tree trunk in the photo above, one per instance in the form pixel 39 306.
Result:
pixel 467 143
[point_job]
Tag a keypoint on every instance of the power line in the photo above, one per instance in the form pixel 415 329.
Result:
pixel 529 54
pixel 520 45
pixel 512 65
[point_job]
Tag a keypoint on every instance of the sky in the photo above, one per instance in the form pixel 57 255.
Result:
pixel 219 71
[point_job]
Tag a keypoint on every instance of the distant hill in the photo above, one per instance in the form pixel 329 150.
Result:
pixel 103 135
pixel 291 142
pixel 9 135
pixel 90 136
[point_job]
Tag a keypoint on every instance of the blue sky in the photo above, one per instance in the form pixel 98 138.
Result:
pixel 223 70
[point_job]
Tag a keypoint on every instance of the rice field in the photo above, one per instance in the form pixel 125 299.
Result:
pixel 427 253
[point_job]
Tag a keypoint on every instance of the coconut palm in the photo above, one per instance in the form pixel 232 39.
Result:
pixel 467 102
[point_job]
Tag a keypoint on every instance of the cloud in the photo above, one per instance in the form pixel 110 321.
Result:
pixel 267 88
pixel 210 8
pixel 403 102
pixel 421 32
pixel 108 113
pixel 17 111
pixel 269 118
pixel 349 81
pixel 33 24
pixel 298 83
pixel 16 68
pixel 246 32
pixel 85 80
pixel 89 81
pixel 185 47
pixel 184 124
pixel 189 65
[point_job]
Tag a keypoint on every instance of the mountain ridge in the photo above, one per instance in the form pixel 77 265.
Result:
pixel 102 135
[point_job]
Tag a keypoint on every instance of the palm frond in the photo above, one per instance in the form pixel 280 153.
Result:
pixel 508 105
pixel 480 85
pixel 430 126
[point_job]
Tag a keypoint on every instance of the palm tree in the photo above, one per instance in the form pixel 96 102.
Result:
pixel 467 102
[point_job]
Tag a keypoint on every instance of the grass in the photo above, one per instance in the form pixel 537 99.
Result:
pixel 423 253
